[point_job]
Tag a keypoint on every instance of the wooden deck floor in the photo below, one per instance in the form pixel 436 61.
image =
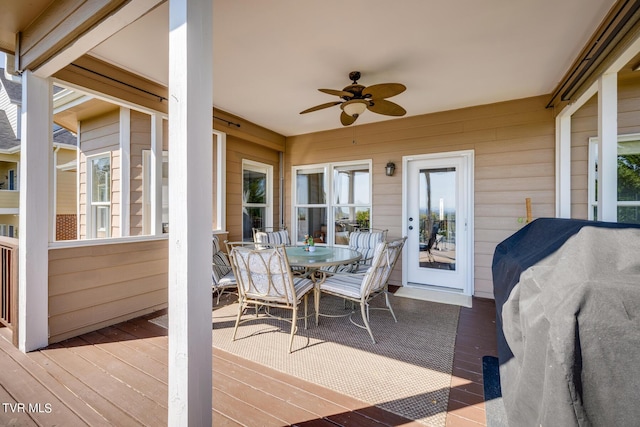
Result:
pixel 118 376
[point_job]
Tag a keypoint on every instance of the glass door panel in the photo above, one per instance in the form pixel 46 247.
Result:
pixel 437 235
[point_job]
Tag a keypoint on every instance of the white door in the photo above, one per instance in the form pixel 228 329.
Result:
pixel 438 222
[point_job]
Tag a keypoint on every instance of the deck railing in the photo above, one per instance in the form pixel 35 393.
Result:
pixel 9 285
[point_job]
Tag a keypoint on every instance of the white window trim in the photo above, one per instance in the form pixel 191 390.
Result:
pixel 220 169
pixel 268 171
pixel 90 231
pixel 592 173
pixel 148 206
pixel 329 204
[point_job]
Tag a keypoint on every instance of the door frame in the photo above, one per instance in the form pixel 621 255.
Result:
pixel 435 293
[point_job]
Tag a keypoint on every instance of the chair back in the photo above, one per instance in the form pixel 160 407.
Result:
pixel 220 265
pixel 263 274
pixel 376 276
pixel 394 249
pixel 366 242
pixel 274 237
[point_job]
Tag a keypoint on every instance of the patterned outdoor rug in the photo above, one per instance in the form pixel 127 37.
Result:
pixel 407 372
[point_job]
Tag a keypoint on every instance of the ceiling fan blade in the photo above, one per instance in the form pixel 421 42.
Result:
pixel 321 106
pixel 388 108
pixel 384 90
pixel 346 119
pixel 340 93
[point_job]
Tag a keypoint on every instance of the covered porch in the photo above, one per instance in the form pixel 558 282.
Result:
pixel 522 144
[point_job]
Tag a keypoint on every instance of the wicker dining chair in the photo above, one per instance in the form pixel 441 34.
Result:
pixel 272 236
pixel 222 276
pixel 265 280
pixel 364 242
pixel 364 286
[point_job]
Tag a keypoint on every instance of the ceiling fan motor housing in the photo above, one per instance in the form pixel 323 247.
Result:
pixel 355 89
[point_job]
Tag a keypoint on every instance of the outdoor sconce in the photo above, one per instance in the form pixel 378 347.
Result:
pixel 390 169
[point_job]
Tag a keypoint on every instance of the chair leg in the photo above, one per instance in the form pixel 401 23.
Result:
pixel 365 319
pixel 294 321
pixel 316 303
pixel 306 299
pixel 240 310
pixel 386 296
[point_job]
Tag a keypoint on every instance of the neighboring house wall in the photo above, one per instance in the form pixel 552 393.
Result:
pixel 100 135
pixel 6 221
pixel 514 159
pixel 9 199
pixel 237 150
pixel 11 110
pixel 100 285
pixel 66 197
pixel 67 183
pixel 584 125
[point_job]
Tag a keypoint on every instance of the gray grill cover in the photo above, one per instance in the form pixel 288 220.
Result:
pixel 571 328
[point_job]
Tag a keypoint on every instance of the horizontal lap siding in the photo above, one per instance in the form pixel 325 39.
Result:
pixel 94 286
pixel 67 184
pixel 514 150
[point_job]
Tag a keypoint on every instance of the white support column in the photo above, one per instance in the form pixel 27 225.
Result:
pixel 35 168
pixel 608 147
pixel 563 152
pixel 125 171
pixel 156 173
pixel 190 199
pixel 563 166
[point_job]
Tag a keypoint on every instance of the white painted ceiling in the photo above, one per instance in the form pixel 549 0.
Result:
pixel 270 57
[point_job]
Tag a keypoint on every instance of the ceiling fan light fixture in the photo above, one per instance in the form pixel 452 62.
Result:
pixel 354 107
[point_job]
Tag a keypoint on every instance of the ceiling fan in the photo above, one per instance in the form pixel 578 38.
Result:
pixel 358 98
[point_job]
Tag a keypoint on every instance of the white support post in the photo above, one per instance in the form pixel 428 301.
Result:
pixel 125 171
pixel 608 147
pixel 35 169
pixel 563 166
pixel 190 201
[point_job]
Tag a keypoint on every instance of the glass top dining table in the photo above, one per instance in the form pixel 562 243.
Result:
pixel 323 256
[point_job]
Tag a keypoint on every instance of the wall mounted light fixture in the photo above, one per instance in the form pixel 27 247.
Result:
pixel 390 168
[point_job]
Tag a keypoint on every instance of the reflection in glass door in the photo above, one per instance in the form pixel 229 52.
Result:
pixel 437 204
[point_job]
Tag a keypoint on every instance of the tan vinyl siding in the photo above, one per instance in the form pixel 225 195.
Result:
pixel 584 125
pixel 94 286
pixel 67 183
pixel 237 150
pixel 9 199
pixel 101 135
pixel 514 150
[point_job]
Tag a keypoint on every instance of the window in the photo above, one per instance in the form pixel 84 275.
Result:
pixel 257 201
pixel 148 177
pixel 628 179
pixel 219 180
pixel 347 206
pixel 99 185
